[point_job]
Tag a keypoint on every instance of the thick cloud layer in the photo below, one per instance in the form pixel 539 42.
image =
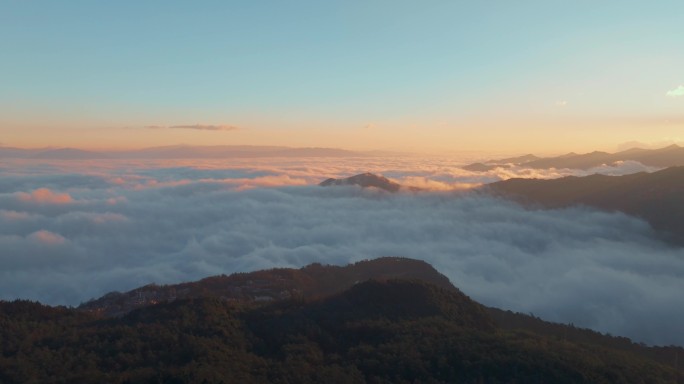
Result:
pixel 66 237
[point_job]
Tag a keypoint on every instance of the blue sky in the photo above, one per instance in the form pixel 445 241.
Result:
pixel 317 73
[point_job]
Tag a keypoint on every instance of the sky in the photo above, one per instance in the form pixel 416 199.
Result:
pixel 429 76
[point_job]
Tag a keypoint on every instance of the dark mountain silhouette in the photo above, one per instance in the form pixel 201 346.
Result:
pixel 397 299
pixel 482 167
pixel 519 159
pixel 513 321
pixel 199 152
pixel 312 281
pixel 234 151
pixel 657 197
pixel 500 163
pixel 68 154
pixel 400 331
pixel 12 152
pixel 663 157
pixel 365 180
pixel 180 152
pixel 575 161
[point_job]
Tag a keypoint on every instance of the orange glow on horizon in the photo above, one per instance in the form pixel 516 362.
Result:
pixel 539 136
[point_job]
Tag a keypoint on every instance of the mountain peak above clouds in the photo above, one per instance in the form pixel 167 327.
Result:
pixel 364 180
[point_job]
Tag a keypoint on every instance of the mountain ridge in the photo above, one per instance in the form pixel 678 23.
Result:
pixel 378 330
pixel 669 156
pixel 311 281
pixel 179 152
pixel 656 197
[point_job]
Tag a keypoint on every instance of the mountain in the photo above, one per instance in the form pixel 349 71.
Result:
pixel 364 180
pixel 398 331
pixel 574 161
pixel 657 197
pixel 69 154
pixel 50 153
pixel 663 157
pixel 198 152
pixel 312 281
pixel 11 152
pixel 519 159
pixel 482 167
pixel 400 299
pixel 513 321
pixel 233 151
pixel 180 152
pixel 500 163
pixel 316 152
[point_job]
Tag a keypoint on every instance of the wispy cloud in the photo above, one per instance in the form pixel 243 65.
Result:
pixel 206 127
pixel 561 103
pixel 677 92
pixel 201 127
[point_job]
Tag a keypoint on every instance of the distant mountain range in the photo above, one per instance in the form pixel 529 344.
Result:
pixel 384 320
pixel 663 157
pixel 657 197
pixel 179 152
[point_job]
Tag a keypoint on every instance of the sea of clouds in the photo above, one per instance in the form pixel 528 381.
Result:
pixel 71 231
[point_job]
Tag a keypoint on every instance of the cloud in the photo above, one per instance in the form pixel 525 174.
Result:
pixel 204 127
pixel 617 168
pixel 370 126
pixel 13 215
pixel 561 103
pixel 46 237
pixel 595 269
pixel 677 92
pixel 620 168
pixel 437 174
pixel 44 196
pixel 200 127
